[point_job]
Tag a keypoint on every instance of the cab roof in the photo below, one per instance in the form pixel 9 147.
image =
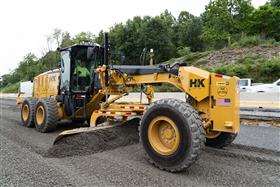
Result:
pixel 83 44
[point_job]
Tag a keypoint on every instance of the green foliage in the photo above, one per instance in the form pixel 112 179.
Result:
pixel 139 33
pixel 194 56
pixel 182 51
pixel 31 66
pixel 166 88
pixel 187 30
pixel 83 37
pixel 261 70
pixel 223 18
pixel 66 40
pixel 224 23
pixel 275 3
pixel 201 62
pixel 10 88
pixel 269 71
pixel 265 21
pixel 249 41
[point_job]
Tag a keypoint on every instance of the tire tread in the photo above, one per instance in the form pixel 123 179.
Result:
pixel 195 123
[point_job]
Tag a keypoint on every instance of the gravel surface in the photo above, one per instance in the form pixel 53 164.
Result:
pixel 27 158
pixel 261 137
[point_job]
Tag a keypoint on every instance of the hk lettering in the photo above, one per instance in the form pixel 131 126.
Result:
pixel 197 82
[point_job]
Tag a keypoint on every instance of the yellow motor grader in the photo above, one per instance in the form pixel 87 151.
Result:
pixel 87 87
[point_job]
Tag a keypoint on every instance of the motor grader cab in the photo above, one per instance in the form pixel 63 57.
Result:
pixel 79 81
pixel 171 131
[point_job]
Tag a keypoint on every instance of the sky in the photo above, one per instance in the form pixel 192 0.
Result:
pixel 25 25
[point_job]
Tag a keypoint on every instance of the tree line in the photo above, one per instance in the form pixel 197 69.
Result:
pixel 222 23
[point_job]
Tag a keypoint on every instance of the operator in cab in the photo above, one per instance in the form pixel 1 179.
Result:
pixel 82 75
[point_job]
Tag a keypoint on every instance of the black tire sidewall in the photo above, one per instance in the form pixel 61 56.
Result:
pixel 223 140
pixel 28 122
pixel 185 135
pixel 41 127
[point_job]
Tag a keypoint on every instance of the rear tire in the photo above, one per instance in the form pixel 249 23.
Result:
pixel 46 115
pixel 175 151
pixel 222 140
pixel 27 111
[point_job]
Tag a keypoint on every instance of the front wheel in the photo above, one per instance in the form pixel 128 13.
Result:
pixel 172 135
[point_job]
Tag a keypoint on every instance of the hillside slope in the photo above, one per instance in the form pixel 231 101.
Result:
pixel 260 63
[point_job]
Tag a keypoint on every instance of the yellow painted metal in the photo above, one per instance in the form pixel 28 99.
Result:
pixel 163 135
pixel 118 110
pixel 40 115
pixel 195 82
pixel 225 117
pixel 46 84
pixel 206 89
pixel 150 93
pixel 25 112
pixel 60 111
pixel 212 134
pixel 124 107
pixel 117 79
pixel 92 105
pixel 19 99
pixel 201 85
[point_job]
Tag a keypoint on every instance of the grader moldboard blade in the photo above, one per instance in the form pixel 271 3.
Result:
pixel 95 139
pixel 72 132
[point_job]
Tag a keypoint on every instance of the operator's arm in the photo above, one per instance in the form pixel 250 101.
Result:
pixel 87 72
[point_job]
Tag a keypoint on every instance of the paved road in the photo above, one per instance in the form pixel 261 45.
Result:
pixel 24 160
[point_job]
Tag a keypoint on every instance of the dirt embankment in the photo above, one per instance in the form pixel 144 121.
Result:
pixel 232 56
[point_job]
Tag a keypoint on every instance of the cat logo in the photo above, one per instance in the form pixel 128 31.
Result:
pixel 197 83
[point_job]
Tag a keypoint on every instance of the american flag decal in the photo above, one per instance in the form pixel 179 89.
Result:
pixel 223 102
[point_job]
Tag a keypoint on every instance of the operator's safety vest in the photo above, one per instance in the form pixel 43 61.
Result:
pixel 82 71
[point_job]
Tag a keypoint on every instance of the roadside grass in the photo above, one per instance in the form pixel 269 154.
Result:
pixel 250 41
pixel 261 70
pixel 10 88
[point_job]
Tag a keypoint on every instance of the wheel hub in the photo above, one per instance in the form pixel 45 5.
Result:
pixel 40 115
pixel 168 134
pixel 163 135
pixel 25 112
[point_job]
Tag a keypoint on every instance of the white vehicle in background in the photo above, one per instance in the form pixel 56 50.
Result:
pixel 246 84
pixel 26 88
pixel 267 88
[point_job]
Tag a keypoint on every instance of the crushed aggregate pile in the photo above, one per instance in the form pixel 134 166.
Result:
pixel 96 141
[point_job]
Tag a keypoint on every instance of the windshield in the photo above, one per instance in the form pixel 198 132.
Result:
pixel 83 69
pixel 244 82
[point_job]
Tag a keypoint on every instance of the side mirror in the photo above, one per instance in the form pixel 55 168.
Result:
pixel 90 52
